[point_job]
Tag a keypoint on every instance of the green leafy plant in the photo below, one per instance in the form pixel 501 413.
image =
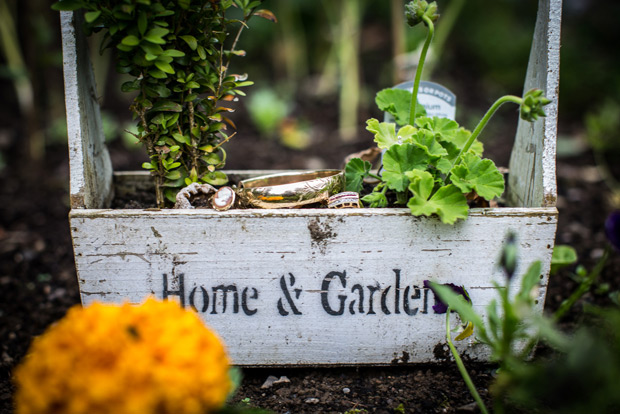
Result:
pixel 511 326
pixel 177 53
pixel 581 379
pixel 432 165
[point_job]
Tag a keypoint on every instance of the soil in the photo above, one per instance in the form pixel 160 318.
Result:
pixel 38 284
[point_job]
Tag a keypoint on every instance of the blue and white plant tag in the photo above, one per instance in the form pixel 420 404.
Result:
pixel 435 98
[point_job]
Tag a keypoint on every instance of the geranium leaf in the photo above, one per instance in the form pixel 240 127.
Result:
pixel 445 127
pixel 479 175
pixel 375 200
pixel 355 171
pixel 443 165
pixel 406 135
pixel 397 103
pixel 398 160
pixel 454 142
pixel 385 133
pixel 448 202
pixel 426 140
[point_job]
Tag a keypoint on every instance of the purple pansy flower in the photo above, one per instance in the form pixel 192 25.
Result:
pixel 612 229
pixel 441 307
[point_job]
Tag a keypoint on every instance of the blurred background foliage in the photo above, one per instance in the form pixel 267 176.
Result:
pixel 317 71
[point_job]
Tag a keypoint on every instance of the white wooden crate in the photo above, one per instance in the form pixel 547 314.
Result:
pixel 308 286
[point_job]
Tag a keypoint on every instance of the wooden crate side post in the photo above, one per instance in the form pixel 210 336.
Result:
pixel 532 180
pixel 90 166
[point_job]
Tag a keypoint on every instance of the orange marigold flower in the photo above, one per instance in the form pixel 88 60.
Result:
pixel 151 358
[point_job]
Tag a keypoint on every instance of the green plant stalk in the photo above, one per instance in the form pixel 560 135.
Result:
pixel 508 322
pixel 567 304
pixel 418 72
pixel 10 48
pixel 484 121
pixel 583 288
pixel 459 363
pixel 349 68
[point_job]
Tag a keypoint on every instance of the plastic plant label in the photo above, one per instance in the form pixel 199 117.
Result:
pixel 435 98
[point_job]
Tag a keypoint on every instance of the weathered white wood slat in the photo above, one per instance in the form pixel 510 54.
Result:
pixel 288 273
pixel 91 169
pixel 532 181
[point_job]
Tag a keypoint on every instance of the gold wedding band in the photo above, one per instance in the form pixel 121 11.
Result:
pixel 292 189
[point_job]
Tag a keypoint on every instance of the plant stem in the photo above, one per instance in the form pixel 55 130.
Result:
pixel 375 176
pixel 484 121
pixel 568 303
pixel 583 288
pixel 418 72
pixel 459 363
pixel 348 53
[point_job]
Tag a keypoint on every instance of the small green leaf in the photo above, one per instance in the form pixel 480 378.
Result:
pixel 398 160
pixel 385 133
pixel 142 22
pixel 173 53
pixel 211 159
pixel 124 48
pixel 156 35
pixel 376 199
pixel 173 175
pixel 161 91
pixel 201 52
pixel 444 127
pixel 426 141
pixel 448 202
pixel 191 41
pixel 92 16
pixel 130 40
pixel 530 279
pixel 397 102
pixel 179 182
pixel 480 175
pixel 354 172
pixel 562 256
pixel 215 178
pixel 171 194
pixel 184 139
pixel 167 106
pixel 133 85
pixel 151 49
pixel 67 5
pixel 173 119
pixel 164 67
pixel 157 74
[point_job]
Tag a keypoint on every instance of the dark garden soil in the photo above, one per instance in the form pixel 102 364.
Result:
pixel 38 284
